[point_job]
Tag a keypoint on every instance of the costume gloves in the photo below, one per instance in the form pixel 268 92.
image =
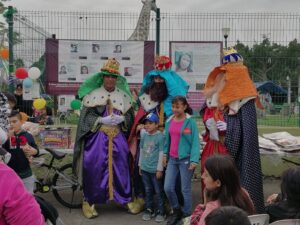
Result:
pixel 221 125
pixel 113 119
pixel 117 119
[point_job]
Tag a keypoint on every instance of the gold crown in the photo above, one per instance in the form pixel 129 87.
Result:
pixel 229 51
pixel 112 66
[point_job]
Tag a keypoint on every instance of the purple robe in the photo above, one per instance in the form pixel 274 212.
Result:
pixel 96 170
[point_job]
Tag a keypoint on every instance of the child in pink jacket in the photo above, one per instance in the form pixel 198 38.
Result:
pixel 17 205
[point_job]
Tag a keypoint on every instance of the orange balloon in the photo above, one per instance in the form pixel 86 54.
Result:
pixel 4 53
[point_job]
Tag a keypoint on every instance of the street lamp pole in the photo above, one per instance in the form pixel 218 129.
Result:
pixel 225 32
pixel 289 89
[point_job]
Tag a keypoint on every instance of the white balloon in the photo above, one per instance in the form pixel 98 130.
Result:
pixel 34 73
pixel 3 136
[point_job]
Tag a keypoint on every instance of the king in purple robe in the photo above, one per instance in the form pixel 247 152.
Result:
pixel 101 151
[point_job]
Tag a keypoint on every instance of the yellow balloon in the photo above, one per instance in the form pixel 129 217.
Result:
pixel 39 103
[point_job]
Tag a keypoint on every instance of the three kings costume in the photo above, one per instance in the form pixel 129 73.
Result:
pixel 235 104
pixel 101 151
pixel 175 86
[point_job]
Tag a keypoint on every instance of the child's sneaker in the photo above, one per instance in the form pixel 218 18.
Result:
pixel 148 214
pixel 160 218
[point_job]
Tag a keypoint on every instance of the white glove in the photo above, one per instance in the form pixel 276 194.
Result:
pixel 221 125
pixel 213 131
pixel 210 123
pixel 117 119
pixel 108 120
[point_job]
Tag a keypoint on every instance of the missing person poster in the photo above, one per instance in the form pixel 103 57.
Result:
pixel 79 59
pixel 194 60
pixel 64 102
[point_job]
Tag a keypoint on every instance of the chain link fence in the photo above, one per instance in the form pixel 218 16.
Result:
pixel 267 41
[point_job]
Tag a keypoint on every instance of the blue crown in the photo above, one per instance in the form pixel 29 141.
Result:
pixel 231 56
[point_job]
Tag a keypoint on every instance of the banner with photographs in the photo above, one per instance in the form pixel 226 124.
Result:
pixel 64 102
pixel 78 59
pixel 194 60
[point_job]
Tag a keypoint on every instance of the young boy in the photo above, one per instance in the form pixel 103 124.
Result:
pixel 44 116
pixel 151 167
pixel 21 146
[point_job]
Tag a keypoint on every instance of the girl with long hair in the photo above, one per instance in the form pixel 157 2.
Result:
pixel 181 155
pixel 223 188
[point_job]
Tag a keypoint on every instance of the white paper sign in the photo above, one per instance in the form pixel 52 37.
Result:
pixel 77 60
pixel 194 60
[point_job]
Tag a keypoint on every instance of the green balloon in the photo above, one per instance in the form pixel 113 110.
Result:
pixel 75 104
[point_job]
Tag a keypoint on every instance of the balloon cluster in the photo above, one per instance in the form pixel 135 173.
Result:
pixel 28 76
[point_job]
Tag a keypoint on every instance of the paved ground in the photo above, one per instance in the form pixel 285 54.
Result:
pixel 115 215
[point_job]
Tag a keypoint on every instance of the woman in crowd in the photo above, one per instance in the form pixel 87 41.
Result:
pixel 286 205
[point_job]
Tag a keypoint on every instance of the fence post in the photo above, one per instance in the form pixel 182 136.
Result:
pixel 157 30
pixel 10 20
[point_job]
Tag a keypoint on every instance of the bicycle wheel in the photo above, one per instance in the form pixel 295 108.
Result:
pixel 66 188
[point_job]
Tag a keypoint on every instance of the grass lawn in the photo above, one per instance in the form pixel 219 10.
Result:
pixel 279 120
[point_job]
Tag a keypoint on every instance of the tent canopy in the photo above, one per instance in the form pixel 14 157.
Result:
pixel 269 87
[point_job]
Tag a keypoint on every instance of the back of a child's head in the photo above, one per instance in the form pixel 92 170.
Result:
pixel 11 98
pixel 227 215
pixel 222 168
pixel 15 113
pixel 290 186
pixel 182 100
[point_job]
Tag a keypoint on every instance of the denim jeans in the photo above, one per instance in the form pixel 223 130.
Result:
pixel 29 183
pixel 174 167
pixel 152 184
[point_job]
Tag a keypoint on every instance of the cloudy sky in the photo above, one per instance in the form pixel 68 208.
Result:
pixel 165 5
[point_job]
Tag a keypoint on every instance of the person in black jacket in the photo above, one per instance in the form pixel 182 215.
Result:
pixel 286 205
pixel 22 147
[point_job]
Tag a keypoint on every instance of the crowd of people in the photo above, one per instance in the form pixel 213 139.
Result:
pixel 140 150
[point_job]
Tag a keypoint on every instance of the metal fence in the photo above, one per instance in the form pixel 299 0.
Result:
pixel 248 30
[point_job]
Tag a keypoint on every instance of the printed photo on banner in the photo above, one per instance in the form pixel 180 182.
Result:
pixel 67 72
pixel 73 47
pixel 184 61
pixel 118 49
pixel 64 102
pixel 194 60
pixel 95 48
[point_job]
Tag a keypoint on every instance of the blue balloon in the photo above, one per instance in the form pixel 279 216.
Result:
pixel 27 83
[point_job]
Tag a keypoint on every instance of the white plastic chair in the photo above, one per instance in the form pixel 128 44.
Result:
pixel 259 219
pixel 287 222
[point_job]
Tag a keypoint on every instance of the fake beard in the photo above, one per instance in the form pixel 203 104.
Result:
pixel 213 92
pixel 158 91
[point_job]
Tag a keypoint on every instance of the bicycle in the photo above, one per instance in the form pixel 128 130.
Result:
pixel 64 185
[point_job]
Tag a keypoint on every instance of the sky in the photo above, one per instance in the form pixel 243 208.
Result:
pixel 164 5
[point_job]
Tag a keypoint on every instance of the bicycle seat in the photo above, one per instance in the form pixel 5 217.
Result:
pixel 56 154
